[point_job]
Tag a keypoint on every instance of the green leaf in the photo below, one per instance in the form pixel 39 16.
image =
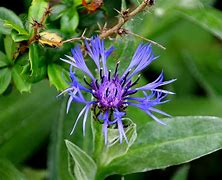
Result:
pixel 10 47
pixel 16 27
pixel 12 21
pixel 25 116
pixel 5 79
pixel 167 5
pixel 181 173
pixel 124 50
pixel 36 11
pixel 194 106
pixel 104 154
pixel 58 11
pixel 58 156
pixel 9 172
pixel 208 18
pixel 35 174
pixel 85 167
pixel 183 139
pixel 57 76
pixel 17 37
pixel 70 21
pixel 20 82
pixel 77 2
pixel 38 63
pixel 3 60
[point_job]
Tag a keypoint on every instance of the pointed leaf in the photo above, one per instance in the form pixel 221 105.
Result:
pixel 20 82
pixel 181 173
pixel 16 27
pixel 70 20
pixel 5 79
pixel 38 63
pixel 104 154
pixel 10 47
pixel 58 11
pixel 84 164
pixel 3 60
pixel 182 140
pixel 57 76
pixel 17 37
pixel 9 17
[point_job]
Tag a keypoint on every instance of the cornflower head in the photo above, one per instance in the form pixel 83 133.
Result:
pixel 112 92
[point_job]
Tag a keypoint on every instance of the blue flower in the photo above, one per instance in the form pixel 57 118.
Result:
pixel 113 92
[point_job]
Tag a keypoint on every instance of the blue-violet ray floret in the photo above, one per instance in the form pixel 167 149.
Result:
pixel 113 92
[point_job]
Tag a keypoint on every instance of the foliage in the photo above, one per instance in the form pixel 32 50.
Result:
pixel 30 64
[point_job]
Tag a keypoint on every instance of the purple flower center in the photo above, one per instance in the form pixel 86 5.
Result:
pixel 109 93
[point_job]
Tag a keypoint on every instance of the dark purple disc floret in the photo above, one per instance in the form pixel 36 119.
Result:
pixel 111 91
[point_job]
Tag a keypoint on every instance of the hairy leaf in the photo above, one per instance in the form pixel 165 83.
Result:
pixel 183 139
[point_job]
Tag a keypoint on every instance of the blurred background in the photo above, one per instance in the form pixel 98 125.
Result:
pixel 191 30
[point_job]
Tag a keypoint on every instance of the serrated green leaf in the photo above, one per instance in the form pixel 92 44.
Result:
pixel 3 60
pixel 57 76
pixel 38 64
pixel 36 11
pixel 25 116
pixel 10 47
pixel 208 18
pixel 20 82
pixel 183 139
pixel 70 20
pixel 9 172
pixel 9 17
pixel 5 79
pixel 84 164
